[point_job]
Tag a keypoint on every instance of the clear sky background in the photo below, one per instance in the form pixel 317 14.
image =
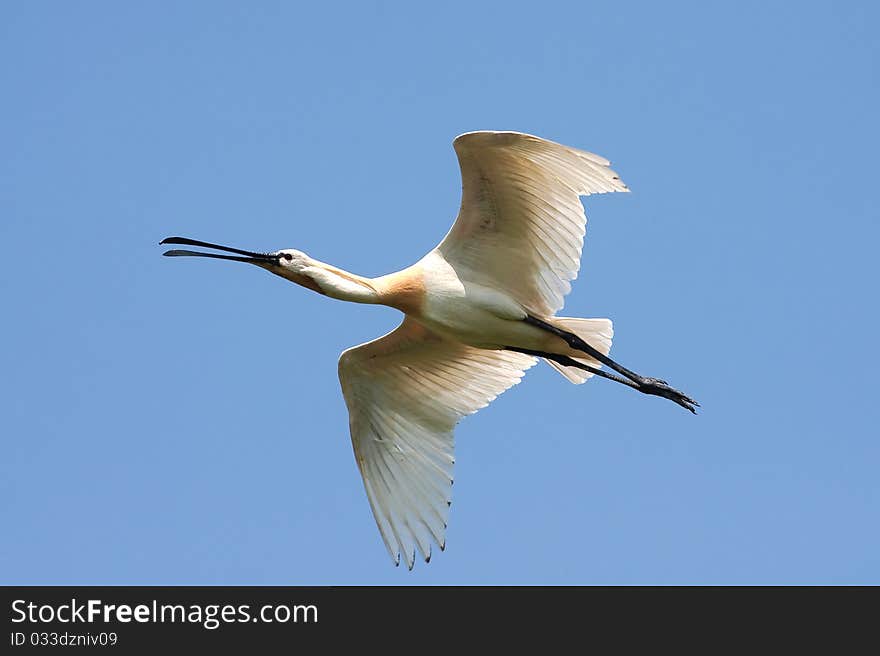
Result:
pixel 180 421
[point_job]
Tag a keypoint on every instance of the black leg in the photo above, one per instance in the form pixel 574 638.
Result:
pixel 566 361
pixel 577 343
pixel 644 384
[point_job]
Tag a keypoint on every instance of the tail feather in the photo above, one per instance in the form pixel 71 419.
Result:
pixel 595 332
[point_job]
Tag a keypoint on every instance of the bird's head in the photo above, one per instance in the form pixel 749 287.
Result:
pixel 292 264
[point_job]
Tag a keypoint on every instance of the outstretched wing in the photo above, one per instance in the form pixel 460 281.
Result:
pixel 405 392
pixel 521 225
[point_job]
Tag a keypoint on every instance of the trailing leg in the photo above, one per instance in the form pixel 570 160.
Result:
pixel 644 384
pixel 566 361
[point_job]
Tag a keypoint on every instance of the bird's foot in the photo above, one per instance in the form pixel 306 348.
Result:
pixel 659 387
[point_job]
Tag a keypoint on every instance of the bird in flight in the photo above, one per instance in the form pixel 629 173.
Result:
pixel 479 310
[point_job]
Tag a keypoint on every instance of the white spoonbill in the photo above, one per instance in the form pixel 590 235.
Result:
pixel 479 310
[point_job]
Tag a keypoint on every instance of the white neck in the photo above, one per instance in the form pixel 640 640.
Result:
pixel 340 284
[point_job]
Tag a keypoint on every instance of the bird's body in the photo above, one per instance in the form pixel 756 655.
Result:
pixel 478 310
pixel 469 312
pixel 432 293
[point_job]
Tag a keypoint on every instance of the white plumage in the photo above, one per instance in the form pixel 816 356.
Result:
pixel 520 232
pixel 521 225
pixel 405 393
pixel 478 309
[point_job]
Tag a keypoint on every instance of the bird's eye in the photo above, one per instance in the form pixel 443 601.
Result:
pixel 287 256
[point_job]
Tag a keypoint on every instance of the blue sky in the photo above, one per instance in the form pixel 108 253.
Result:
pixel 171 421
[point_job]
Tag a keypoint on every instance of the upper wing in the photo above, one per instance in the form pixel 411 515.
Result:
pixel 521 225
pixel 405 392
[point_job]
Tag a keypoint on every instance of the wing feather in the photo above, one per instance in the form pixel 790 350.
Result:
pixel 405 393
pixel 521 225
